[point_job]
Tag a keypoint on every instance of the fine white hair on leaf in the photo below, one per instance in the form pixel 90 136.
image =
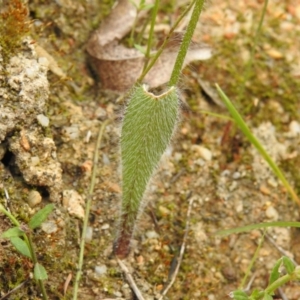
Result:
pixel 148 126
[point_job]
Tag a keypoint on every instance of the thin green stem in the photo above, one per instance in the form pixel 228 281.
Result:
pixel 209 113
pixel 140 35
pixel 10 216
pixel 253 49
pixel 88 207
pixel 252 261
pixel 29 242
pixel 278 283
pixel 257 226
pixel 186 43
pixel 131 38
pixel 160 50
pixel 150 38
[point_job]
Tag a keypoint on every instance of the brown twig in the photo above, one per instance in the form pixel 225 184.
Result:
pixel 14 289
pixel 130 280
pixel 280 249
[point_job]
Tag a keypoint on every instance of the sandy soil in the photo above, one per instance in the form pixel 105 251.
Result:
pixel 209 161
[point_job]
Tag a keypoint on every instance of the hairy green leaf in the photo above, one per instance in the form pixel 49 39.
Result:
pixel 40 216
pixel 275 271
pixel 40 272
pixel 267 297
pixel 21 246
pixel 288 264
pixel 12 232
pixel 239 295
pixel 147 129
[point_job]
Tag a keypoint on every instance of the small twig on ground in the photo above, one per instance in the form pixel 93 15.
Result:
pixel 174 275
pixel 282 294
pixel 7 202
pixel 14 289
pixel 280 249
pixel 248 287
pixel 67 282
pixel 175 178
pixel 130 280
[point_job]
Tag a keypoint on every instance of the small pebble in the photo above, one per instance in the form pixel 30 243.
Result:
pixel 87 166
pixel 203 152
pixel 88 136
pixel 34 198
pixel 229 273
pixel 89 234
pixel 163 210
pixel 177 156
pixel 100 113
pixel 105 159
pixel 272 213
pixel 140 260
pixel 105 226
pixel 43 120
pixel 117 294
pixel 71 132
pixel 211 297
pixel 225 173
pixel 49 226
pixel 239 206
pixel 236 175
pixel 100 270
pixel 294 128
pixel 43 61
pixel 272 182
pixel 152 234
pixel 73 202
pixel 35 160
pixel 264 190
pixel 233 186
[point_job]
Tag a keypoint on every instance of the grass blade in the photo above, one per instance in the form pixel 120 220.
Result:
pixel 255 142
pixel 40 216
pixel 257 226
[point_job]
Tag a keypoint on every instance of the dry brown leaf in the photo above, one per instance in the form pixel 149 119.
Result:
pixel 119 67
pixel 274 53
pixel 116 25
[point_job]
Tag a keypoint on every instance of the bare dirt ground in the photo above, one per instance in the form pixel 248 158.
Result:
pixel 209 161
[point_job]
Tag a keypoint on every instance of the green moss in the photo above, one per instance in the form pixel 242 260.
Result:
pixel 291 167
pixel 14 25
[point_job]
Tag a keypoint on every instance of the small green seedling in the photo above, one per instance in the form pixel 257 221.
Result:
pixel 20 237
pixel 276 280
